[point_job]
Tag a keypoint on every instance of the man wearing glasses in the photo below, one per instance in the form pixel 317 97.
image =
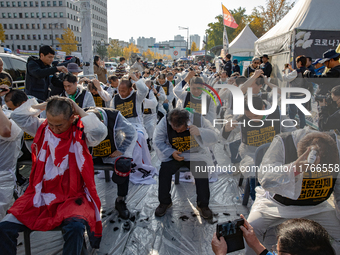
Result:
pixel 252 67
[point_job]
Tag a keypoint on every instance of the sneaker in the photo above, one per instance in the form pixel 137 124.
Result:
pixel 122 209
pixel 205 212
pixel 161 209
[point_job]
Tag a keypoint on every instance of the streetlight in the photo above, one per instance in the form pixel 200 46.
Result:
pixel 187 28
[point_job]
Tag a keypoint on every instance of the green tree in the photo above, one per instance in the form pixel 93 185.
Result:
pixel 194 47
pixel 114 49
pixel 101 50
pixel 2 34
pixel 274 11
pixel 68 41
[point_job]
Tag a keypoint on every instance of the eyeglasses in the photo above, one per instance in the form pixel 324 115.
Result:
pixel 256 62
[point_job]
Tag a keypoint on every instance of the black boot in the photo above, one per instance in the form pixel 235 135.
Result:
pixel 122 209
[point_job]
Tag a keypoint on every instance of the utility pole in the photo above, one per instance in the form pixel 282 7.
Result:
pixel 86 34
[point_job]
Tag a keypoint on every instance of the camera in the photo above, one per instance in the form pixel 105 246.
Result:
pixel 330 104
pixel 86 64
pixel 286 65
pixel 232 234
pixel 3 89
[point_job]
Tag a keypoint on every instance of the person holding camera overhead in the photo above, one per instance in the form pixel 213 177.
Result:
pixel 295 79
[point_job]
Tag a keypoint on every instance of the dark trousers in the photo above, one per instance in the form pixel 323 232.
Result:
pixel 73 234
pixel 122 188
pixel 171 167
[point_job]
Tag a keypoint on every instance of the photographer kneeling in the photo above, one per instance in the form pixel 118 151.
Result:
pixel 327 121
pixel 294 237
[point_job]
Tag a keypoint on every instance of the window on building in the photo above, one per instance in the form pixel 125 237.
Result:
pixel 50 26
pixel 31 4
pixel 29 47
pixel 9 15
pixel 5 26
pixel 2 4
pixel 67 4
pixel 45 37
pixel 61 25
pixel 16 26
pixel 44 26
pixel 27 26
pixel 60 3
pixel 38 26
pixel 71 16
pixel 42 3
pixel 22 37
pixel 51 37
pixel 4 15
pixel 18 46
pixel 34 37
pixel 36 4
pixel 48 3
pixel 17 37
pixel 13 4
pixel 24 47
pixel 10 26
pixel 68 15
pixel 12 37
pixel 37 15
pixel 26 15
pixel 8 4
pixel 32 14
pixel 71 27
pixel 61 14
pixel 28 37
pixel 55 14
pixel 33 26
pixel 39 37
pixel 15 15
pixel 25 4
pixel 56 25
pixel 6 37
pixel 35 47
pixel 62 37
pixel 49 14
pixel 56 36
pixel 43 14
pixel 54 3
pixel 70 5
pixel 19 4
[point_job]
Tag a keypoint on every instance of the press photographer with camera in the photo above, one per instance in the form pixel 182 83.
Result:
pixel 294 236
pixel 327 121
pixel 331 61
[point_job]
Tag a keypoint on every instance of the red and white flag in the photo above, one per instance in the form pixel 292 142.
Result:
pixel 228 19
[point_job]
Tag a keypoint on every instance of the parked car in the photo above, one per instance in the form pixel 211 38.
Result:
pixel 16 67
pixel 110 67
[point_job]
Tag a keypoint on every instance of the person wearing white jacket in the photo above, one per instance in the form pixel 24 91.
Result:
pixel 150 112
pixel 10 146
pixel 296 189
pixel 101 93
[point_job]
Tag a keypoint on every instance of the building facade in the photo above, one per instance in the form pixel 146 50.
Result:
pixel 197 39
pixel 28 26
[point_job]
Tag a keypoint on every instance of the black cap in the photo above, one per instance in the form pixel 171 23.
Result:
pixel 328 55
pixel 122 169
pixel 264 56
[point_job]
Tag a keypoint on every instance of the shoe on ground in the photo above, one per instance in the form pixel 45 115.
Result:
pixel 161 209
pixel 122 209
pixel 205 212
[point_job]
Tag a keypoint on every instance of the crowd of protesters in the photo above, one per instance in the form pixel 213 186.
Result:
pixel 65 123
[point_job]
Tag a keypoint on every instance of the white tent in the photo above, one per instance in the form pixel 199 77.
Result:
pixel 243 44
pixel 310 28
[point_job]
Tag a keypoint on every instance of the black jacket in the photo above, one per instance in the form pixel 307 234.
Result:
pixel 227 67
pixel 37 78
pixel 326 85
pixel 328 122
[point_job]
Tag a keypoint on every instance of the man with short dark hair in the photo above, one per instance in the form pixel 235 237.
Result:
pixel 326 121
pixel 114 82
pixel 309 65
pixel 182 139
pixel 236 67
pixel 227 64
pixel 62 190
pixel 38 72
pixel 102 94
pixel 266 66
pixel 77 92
pixel 120 70
pixel 296 80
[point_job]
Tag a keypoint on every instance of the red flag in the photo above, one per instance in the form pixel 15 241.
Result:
pixel 228 19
